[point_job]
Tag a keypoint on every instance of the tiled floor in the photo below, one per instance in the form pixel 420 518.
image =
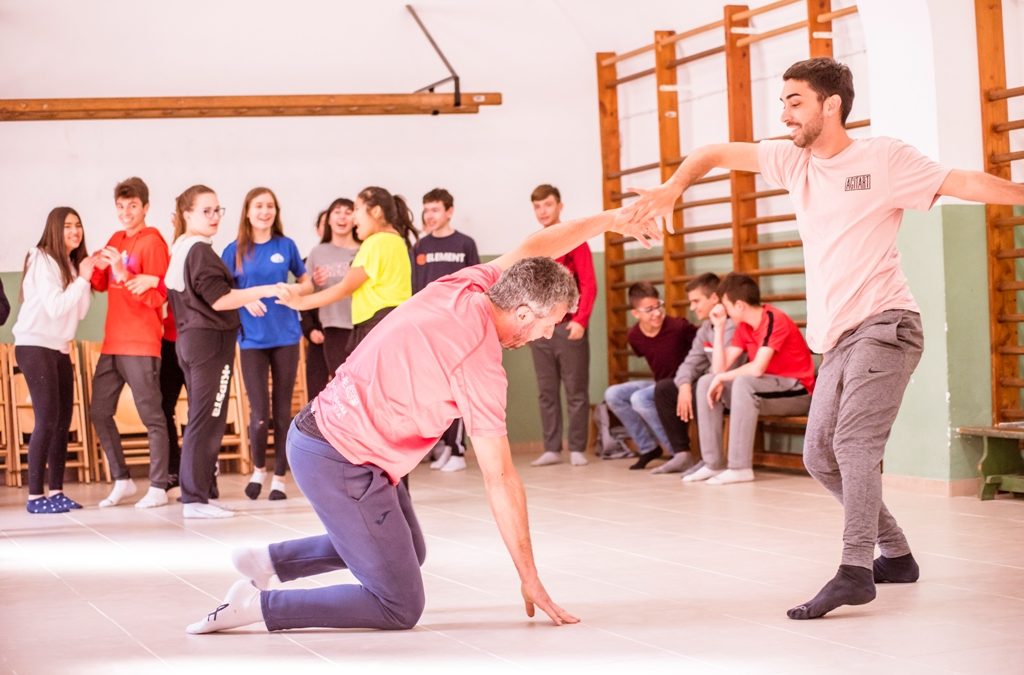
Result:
pixel 667 577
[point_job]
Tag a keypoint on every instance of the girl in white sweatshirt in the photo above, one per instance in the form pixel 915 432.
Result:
pixel 55 297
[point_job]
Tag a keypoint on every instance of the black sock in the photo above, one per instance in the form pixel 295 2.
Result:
pixel 899 570
pixel 645 459
pixel 851 585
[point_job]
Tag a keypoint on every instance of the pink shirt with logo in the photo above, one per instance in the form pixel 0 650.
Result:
pixel 848 210
pixel 435 358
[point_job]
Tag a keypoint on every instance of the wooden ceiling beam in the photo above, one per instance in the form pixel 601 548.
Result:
pixel 301 105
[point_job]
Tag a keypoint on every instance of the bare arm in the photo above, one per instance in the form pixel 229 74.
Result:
pixel 559 239
pixel 658 202
pixel 239 297
pixel 977 186
pixel 354 278
pixel 508 504
pixel 755 368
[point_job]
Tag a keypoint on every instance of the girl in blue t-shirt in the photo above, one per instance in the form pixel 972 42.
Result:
pixel 270 334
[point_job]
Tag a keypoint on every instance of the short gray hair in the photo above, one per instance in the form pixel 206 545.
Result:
pixel 538 283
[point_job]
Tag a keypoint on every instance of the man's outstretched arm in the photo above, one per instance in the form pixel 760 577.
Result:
pixel 977 186
pixel 658 202
pixel 508 504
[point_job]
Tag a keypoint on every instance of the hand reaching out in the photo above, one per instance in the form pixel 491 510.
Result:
pixel 534 595
pixel 654 203
pixel 256 308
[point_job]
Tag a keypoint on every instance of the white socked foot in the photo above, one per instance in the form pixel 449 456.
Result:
pixel 681 461
pixel 703 473
pixel 454 463
pixel 277 489
pixel 154 497
pixel 207 511
pixel 732 476
pixel 443 459
pixel 123 489
pixel 578 459
pixel 241 607
pixel 254 562
pixel 547 459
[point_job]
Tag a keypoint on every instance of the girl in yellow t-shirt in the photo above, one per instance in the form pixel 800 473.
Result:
pixel 380 277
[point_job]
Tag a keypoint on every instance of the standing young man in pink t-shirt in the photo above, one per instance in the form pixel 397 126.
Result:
pixel 382 413
pixel 849 197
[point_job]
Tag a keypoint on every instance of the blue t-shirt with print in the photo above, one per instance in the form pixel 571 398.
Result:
pixel 267 263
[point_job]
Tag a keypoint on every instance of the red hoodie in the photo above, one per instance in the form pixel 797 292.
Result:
pixel 134 325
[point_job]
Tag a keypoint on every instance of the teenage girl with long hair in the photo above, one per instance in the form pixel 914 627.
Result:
pixel 202 293
pixel 271 332
pixel 55 297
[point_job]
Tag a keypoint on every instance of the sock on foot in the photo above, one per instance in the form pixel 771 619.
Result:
pixel 446 454
pixel 205 511
pixel 851 585
pixel 578 459
pixel 703 473
pixel 454 463
pixel 62 499
pixel 680 461
pixel 277 492
pixel 645 459
pixel 123 488
pixel 255 484
pixel 547 458
pixel 241 607
pixel 255 563
pixel 154 497
pixel 899 570
pixel 732 476
pixel 44 505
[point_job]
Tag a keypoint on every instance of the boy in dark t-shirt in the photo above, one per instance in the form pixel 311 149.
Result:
pixel 441 252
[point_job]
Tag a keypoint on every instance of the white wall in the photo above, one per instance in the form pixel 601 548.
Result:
pixel 913 68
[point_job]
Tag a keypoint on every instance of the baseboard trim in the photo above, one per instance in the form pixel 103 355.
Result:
pixel 963 487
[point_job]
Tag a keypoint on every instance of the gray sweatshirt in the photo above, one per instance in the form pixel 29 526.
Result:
pixel 698 360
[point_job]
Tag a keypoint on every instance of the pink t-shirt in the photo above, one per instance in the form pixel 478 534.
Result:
pixel 435 358
pixel 848 210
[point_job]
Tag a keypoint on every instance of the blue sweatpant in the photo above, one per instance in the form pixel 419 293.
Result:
pixel 371 531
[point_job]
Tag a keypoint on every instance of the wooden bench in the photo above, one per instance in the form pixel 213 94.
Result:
pixel 1001 466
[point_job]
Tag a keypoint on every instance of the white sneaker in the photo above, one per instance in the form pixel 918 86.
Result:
pixel 700 474
pixel 578 459
pixel 198 510
pixel 732 476
pixel 154 497
pixel 241 607
pixel 547 459
pixel 439 463
pixel 454 464
pixel 123 489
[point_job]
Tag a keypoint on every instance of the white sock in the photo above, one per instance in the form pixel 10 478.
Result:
pixel 454 463
pixel 547 458
pixel 241 607
pixel 732 476
pixel 578 459
pixel 199 510
pixel 700 474
pixel 154 497
pixel 446 454
pixel 255 563
pixel 277 483
pixel 258 476
pixel 123 488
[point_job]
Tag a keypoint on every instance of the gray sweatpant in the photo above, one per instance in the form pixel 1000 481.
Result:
pixel 747 398
pixel 142 374
pixel 858 393
pixel 560 361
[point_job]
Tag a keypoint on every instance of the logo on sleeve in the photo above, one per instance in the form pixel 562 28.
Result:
pixel 277 258
pixel 862 182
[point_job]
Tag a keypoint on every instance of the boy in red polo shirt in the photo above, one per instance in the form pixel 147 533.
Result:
pixel 777 379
